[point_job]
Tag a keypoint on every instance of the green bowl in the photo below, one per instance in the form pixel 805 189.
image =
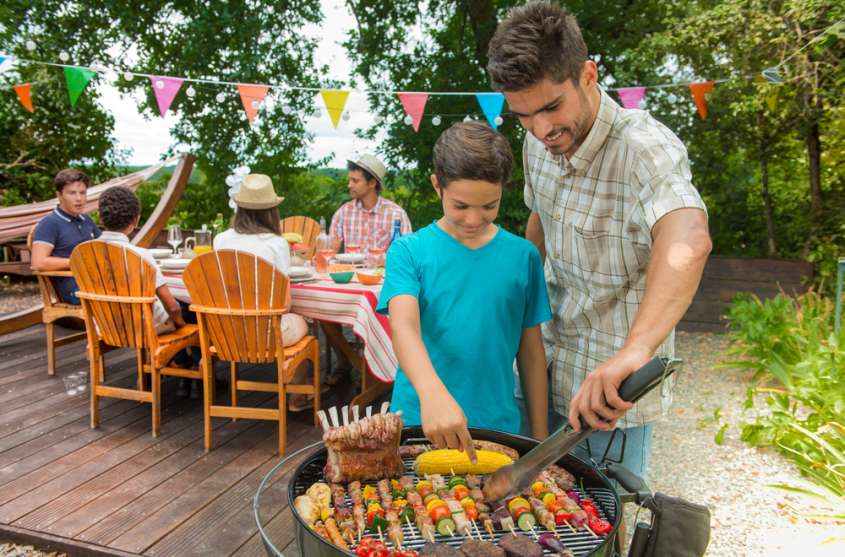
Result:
pixel 342 277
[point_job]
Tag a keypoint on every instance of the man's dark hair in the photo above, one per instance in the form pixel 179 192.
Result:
pixel 536 41
pixel 69 176
pixel 367 174
pixel 472 151
pixel 119 206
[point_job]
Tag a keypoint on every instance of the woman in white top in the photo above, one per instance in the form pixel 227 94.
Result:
pixel 256 228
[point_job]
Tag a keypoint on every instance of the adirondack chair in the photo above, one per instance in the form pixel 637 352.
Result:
pixel 308 228
pixel 117 290
pixel 239 300
pixel 54 309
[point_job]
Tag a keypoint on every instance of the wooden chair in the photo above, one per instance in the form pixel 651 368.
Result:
pixel 239 300
pixel 308 228
pixel 54 309
pixel 117 289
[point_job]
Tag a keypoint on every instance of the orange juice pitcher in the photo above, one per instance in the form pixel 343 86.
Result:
pixel 200 242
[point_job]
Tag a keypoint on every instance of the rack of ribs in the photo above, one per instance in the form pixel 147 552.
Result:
pixel 363 449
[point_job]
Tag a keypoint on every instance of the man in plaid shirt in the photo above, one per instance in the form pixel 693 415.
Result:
pixel 623 231
pixel 366 221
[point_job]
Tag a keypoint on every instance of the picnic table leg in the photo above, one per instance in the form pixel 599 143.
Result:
pixel 370 387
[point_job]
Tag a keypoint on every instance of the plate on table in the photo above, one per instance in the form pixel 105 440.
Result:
pixel 160 253
pixel 174 263
pixel 350 257
pixel 300 272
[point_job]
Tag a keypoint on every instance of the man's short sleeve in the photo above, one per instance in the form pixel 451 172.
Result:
pixel 528 191
pixel 665 180
pixel 400 276
pixel 405 227
pixel 336 227
pixel 537 308
pixel 46 232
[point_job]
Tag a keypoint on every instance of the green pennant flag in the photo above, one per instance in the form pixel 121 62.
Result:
pixel 77 79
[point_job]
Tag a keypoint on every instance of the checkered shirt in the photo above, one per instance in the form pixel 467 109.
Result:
pixel 597 211
pixel 373 228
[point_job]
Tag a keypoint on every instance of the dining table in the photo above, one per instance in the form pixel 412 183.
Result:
pixel 334 305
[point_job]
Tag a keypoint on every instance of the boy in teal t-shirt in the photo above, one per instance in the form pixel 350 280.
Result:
pixel 465 299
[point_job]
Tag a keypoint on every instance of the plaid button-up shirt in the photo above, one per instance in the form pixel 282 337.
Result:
pixel 368 228
pixel 597 211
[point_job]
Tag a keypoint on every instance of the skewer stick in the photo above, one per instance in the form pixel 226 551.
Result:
pixel 410 527
pixel 590 530
pixel 512 530
pixel 380 535
pixel 477 531
pixel 355 410
pixel 360 533
pixel 574 531
pixel 533 533
pixel 333 415
pixel 451 533
pixel 344 412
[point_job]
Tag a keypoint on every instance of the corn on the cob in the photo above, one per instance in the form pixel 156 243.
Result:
pixel 450 461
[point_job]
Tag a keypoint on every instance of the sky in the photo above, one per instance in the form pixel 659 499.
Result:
pixel 149 137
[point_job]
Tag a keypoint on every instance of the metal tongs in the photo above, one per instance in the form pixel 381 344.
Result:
pixel 513 479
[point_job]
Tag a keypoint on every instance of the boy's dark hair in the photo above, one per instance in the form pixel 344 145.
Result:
pixel 472 151
pixel 119 206
pixel 367 174
pixel 536 41
pixel 69 176
pixel 257 221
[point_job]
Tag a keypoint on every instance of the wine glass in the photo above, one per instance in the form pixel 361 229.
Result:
pixel 174 237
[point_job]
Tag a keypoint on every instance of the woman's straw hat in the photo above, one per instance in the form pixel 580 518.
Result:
pixel 257 193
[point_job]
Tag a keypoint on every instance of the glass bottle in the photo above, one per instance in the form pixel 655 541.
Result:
pixel 324 249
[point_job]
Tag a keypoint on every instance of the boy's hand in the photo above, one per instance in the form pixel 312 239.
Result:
pixel 444 423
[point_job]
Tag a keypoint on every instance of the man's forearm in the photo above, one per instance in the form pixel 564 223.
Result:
pixel 51 263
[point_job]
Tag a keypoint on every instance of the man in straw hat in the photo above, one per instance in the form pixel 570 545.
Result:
pixel 367 220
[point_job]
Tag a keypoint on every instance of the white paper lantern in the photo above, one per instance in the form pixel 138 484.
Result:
pixel 64 56
pixel 220 97
pixel 377 119
pixel 30 45
pixel 128 76
pixel 159 84
pixel 346 116
pixel 467 118
pixel 286 108
pixel 499 120
pixel 436 121
pixel 256 104
pixel 190 91
pixel 408 120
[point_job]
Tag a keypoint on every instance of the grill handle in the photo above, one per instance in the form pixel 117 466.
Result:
pixel 646 378
pixel 630 481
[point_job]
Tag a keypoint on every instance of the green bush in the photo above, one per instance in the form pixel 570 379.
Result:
pixel 792 341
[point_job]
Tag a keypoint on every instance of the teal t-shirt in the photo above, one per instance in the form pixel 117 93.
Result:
pixel 474 305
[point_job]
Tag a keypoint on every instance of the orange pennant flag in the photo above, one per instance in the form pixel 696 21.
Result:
pixel 698 92
pixel 24 95
pixel 251 97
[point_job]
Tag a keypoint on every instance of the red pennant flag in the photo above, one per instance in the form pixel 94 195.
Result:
pixel 414 105
pixel 251 97
pixel 24 95
pixel 699 90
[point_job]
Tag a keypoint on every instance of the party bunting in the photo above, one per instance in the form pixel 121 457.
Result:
pixel 24 92
pixel 491 104
pixel 77 79
pixel 631 97
pixel 165 89
pixel 251 97
pixel 334 101
pixel 2 59
pixel 414 105
pixel 698 92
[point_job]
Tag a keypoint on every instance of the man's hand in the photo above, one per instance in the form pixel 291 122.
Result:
pixel 444 423
pixel 598 398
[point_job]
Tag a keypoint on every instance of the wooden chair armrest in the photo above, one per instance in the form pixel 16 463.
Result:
pixel 53 273
pixel 112 298
pixel 242 312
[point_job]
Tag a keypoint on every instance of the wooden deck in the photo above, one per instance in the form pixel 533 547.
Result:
pixel 116 490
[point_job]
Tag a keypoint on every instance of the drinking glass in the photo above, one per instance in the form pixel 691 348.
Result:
pixel 321 259
pixel 174 237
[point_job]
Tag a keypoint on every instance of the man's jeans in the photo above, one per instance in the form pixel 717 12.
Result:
pixel 637 442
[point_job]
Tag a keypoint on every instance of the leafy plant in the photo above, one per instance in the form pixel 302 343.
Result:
pixel 791 341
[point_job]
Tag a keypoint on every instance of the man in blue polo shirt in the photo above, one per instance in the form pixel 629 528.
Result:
pixel 62 230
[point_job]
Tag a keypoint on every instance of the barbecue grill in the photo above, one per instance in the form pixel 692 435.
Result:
pixel 590 483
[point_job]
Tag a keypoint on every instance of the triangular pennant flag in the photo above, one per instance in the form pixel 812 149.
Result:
pixel 24 95
pixel 491 106
pixel 631 97
pixel 251 97
pixel 772 99
pixel 334 101
pixel 2 59
pixel 77 79
pixel 698 92
pixel 414 105
pixel 165 89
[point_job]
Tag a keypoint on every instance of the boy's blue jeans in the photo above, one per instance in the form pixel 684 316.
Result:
pixel 637 442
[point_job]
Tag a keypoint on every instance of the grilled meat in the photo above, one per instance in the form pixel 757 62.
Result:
pixel 363 450
pixel 481 548
pixel 431 549
pixel 495 447
pixel 561 477
pixel 517 545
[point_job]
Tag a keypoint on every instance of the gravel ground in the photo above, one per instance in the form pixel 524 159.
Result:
pixel 731 479
pixel 16 296
pixel 12 550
